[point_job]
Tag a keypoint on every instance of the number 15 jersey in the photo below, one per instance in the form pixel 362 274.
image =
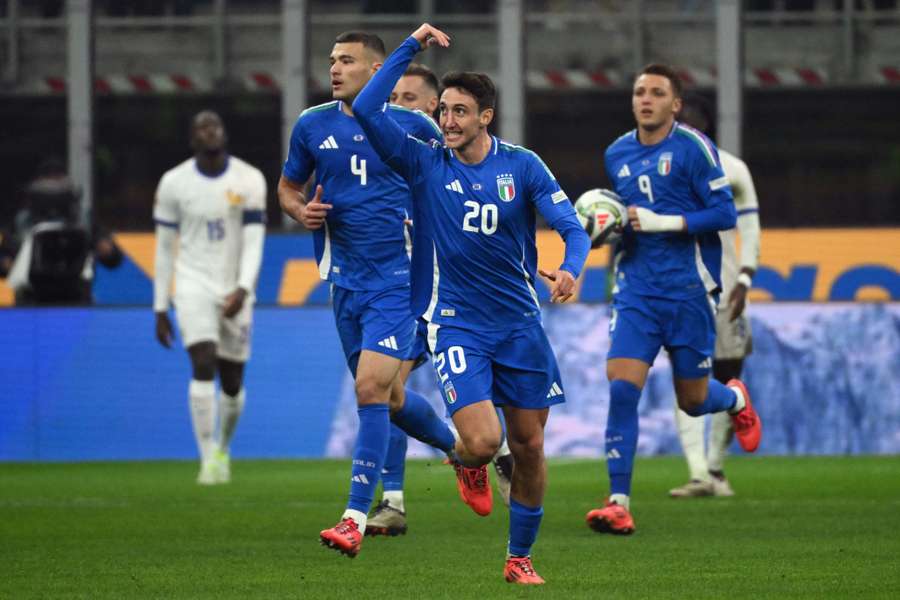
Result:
pixel 363 244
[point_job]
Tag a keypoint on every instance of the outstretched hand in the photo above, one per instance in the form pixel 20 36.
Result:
pixel 427 36
pixel 562 284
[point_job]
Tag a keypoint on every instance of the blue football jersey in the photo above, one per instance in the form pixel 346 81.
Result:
pixel 363 244
pixel 479 220
pixel 677 176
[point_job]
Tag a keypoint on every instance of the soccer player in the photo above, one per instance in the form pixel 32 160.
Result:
pixel 357 215
pixel 477 198
pixel 417 89
pixel 667 278
pixel 733 341
pixel 214 204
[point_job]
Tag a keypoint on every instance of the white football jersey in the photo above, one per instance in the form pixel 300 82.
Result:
pixel 745 202
pixel 209 213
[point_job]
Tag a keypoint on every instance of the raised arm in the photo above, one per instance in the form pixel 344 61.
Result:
pixel 395 147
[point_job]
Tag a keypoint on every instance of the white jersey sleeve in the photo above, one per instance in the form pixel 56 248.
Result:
pixel 747 207
pixel 253 231
pixel 167 216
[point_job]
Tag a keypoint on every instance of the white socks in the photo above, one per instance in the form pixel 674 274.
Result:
pixel 719 439
pixel 690 432
pixel 231 407
pixel 503 450
pixel 359 517
pixel 740 403
pixel 394 499
pixel 202 397
pixel 621 499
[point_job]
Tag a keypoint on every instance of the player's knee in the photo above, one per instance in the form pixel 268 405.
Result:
pixel 370 391
pixel 690 402
pixel 231 385
pixel 528 449
pixel 482 447
pixel 203 369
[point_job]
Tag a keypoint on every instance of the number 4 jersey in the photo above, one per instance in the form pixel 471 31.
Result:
pixel 210 213
pixel 364 243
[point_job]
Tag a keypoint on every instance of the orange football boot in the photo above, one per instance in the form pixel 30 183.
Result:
pixel 747 426
pixel 475 488
pixel 344 537
pixel 519 570
pixel 611 519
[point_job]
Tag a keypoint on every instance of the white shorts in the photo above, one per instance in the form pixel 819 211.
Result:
pixel 200 320
pixel 733 339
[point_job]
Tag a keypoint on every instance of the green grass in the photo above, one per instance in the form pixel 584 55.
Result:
pixel 799 527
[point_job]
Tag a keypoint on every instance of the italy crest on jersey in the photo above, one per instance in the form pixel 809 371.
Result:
pixel 450 391
pixel 664 166
pixel 506 187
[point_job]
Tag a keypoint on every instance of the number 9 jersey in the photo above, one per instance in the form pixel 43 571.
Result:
pixel 363 244
pixel 677 176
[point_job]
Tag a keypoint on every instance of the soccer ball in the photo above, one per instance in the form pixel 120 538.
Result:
pixel 602 215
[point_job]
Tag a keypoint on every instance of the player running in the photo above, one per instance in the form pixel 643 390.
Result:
pixel 357 217
pixel 477 199
pixel 733 336
pixel 667 279
pixel 214 205
pixel 417 89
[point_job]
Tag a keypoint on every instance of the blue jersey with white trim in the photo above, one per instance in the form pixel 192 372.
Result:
pixel 363 244
pixel 680 175
pixel 480 218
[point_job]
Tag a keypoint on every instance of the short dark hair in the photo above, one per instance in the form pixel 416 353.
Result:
pixel 667 72
pixel 420 70
pixel 368 40
pixel 478 85
pixel 697 112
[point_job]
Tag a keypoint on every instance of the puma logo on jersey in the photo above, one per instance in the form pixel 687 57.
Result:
pixel 555 391
pixel 454 186
pixel 624 172
pixel 328 144
pixel 389 342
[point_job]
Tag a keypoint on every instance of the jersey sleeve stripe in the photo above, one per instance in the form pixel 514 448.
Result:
pixel 171 224
pixel 253 216
pixel 747 211
pixel 698 139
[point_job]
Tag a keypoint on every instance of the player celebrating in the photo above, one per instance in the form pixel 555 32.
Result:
pixel 477 197
pixel 733 342
pixel 678 199
pixel 357 216
pixel 417 89
pixel 214 204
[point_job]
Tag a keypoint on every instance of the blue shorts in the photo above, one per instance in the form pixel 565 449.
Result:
pixel 379 321
pixel 515 368
pixel 641 325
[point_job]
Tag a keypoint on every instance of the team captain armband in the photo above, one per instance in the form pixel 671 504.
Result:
pixel 717 184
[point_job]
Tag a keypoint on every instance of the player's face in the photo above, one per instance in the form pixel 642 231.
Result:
pixel 208 133
pixel 653 102
pixel 412 92
pixel 352 65
pixel 461 121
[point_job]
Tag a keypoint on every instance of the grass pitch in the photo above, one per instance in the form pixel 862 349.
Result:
pixel 799 527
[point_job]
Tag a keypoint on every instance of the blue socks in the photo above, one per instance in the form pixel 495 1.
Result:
pixel 395 461
pixel 524 523
pixel 368 455
pixel 718 399
pixel 419 420
pixel 621 435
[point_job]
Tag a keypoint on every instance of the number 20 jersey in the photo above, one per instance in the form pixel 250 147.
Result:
pixel 363 245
